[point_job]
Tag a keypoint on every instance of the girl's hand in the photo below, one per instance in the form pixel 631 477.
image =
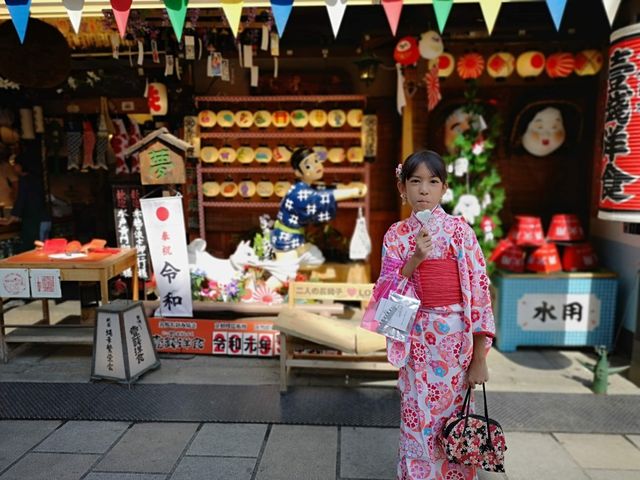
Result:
pixel 423 245
pixel 478 372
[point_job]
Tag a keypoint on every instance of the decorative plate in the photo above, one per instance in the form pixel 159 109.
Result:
pixel 280 118
pixel 262 118
pixel 336 155
pixel 299 118
pixel 317 118
pixel 263 155
pixel 354 117
pixel 321 152
pixel 337 118
pixel 355 155
pixel 245 154
pixel 211 189
pixel 244 118
pixel 282 154
pixel 264 189
pixel 207 119
pixel 229 189
pixel 227 155
pixel 209 154
pixel 225 118
pixel 281 188
pixel 247 188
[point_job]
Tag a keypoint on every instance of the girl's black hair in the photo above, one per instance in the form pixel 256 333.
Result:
pixel 430 159
pixel 299 155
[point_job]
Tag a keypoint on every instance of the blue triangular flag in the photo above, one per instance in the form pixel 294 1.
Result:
pixel 281 10
pixel 556 8
pixel 19 11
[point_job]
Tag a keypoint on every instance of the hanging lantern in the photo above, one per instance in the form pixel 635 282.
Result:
pixel 565 228
pixel 527 232
pixel 620 187
pixel 446 64
pixel 508 256
pixel 470 66
pixel 560 65
pixel 501 65
pixel 368 68
pixel 406 51
pixel 530 64
pixel 588 62
pixel 157 99
pixel 544 259
pixel 579 258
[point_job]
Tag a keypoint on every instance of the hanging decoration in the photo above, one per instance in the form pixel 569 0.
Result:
pixel 556 9
pixel 490 10
pixel 406 51
pixel 157 99
pixel 442 9
pixel 336 9
pixel 281 10
pixel 401 99
pixel 560 65
pixel 431 46
pixel 620 167
pixel 501 65
pixel 530 64
pixel 233 12
pixel 446 64
pixel 393 9
pixel 545 133
pixel 611 7
pixel 588 62
pixel 74 11
pixel 121 9
pixel 470 66
pixel 432 80
pixel 177 11
pixel 19 11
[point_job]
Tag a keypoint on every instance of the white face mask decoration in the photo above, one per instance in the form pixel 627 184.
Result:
pixel 545 134
pixel 430 46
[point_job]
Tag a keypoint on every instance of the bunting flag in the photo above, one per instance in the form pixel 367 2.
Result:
pixel 442 9
pixel 74 11
pixel 121 10
pixel 233 12
pixel 177 10
pixel 336 9
pixel 393 8
pixel 556 8
pixel 19 11
pixel 281 10
pixel 490 10
pixel 611 7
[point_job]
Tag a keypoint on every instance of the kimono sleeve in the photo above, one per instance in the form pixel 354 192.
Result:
pixel 319 206
pixel 482 321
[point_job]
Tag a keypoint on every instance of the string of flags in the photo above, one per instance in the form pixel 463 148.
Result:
pixel 19 11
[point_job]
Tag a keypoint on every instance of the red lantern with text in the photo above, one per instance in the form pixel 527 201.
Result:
pixel 620 167
pixel 407 51
pixel 544 259
pixel 579 258
pixel 565 228
pixel 527 232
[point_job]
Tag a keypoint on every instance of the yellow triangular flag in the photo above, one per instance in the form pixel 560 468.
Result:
pixel 233 12
pixel 490 9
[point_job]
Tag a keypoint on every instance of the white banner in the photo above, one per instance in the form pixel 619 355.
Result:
pixel 167 239
pixel 570 312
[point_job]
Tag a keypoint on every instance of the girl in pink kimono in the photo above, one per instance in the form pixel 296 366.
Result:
pixel 451 335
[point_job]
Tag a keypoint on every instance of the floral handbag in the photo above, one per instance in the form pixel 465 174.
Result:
pixel 474 440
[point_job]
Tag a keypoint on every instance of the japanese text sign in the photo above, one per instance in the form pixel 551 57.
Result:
pixel 571 312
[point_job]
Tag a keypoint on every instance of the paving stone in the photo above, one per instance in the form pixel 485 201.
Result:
pixel 368 452
pixel 294 452
pixel 635 439
pixel 83 437
pixel 148 448
pixel 48 466
pixel 17 437
pixel 612 452
pixel 613 474
pixel 123 476
pixel 214 468
pixel 539 456
pixel 228 440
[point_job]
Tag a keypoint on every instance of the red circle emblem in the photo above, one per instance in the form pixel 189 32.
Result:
pixel 162 213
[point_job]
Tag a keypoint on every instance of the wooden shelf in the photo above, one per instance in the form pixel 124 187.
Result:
pixel 249 204
pixel 286 168
pixel 282 135
pixel 282 99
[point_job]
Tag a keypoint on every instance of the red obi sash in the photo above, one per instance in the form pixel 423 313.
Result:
pixel 439 283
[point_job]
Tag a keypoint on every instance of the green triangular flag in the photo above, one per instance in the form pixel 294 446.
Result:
pixel 442 9
pixel 177 10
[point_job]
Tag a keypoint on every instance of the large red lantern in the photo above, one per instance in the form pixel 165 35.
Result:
pixel 530 64
pixel 407 51
pixel 560 65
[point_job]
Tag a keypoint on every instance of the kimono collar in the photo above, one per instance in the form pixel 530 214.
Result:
pixel 437 212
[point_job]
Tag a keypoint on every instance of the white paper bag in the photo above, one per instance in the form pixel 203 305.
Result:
pixel 360 246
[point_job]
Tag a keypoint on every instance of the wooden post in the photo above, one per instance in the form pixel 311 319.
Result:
pixel 4 350
pixel 407 126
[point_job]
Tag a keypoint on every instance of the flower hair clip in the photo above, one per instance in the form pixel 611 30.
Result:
pixel 399 171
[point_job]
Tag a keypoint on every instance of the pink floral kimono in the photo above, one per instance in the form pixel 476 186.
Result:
pixel 433 362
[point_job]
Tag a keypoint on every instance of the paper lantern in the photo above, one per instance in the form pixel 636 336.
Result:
pixel 530 64
pixel 579 258
pixel 211 189
pixel 501 65
pixel 620 166
pixel 243 118
pixel 207 119
pixel 281 188
pixel 565 228
pixel 354 117
pixel 336 155
pixel 508 256
pixel 470 66
pixel 318 118
pixel 588 62
pixel 544 259
pixel 406 51
pixel 227 154
pixel 228 189
pixel 446 65
pixel 262 118
pixel 281 118
pixel 245 154
pixel 337 118
pixel 209 154
pixel 264 189
pixel 299 118
pixel 560 65
pixel 527 232
pixel 247 189
pixel 263 154
pixel 157 99
pixel 225 118
pixel 281 154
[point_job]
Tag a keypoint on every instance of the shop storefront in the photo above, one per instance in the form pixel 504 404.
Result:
pixel 512 93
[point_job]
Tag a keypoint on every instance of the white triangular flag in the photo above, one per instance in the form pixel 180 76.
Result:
pixel 611 7
pixel 336 9
pixel 74 10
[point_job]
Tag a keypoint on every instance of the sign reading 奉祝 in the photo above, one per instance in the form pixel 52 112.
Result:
pixel 575 312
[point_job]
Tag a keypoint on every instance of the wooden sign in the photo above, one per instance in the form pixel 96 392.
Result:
pixel 161 164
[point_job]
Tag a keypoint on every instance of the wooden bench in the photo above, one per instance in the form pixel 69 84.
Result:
pixel 358 349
